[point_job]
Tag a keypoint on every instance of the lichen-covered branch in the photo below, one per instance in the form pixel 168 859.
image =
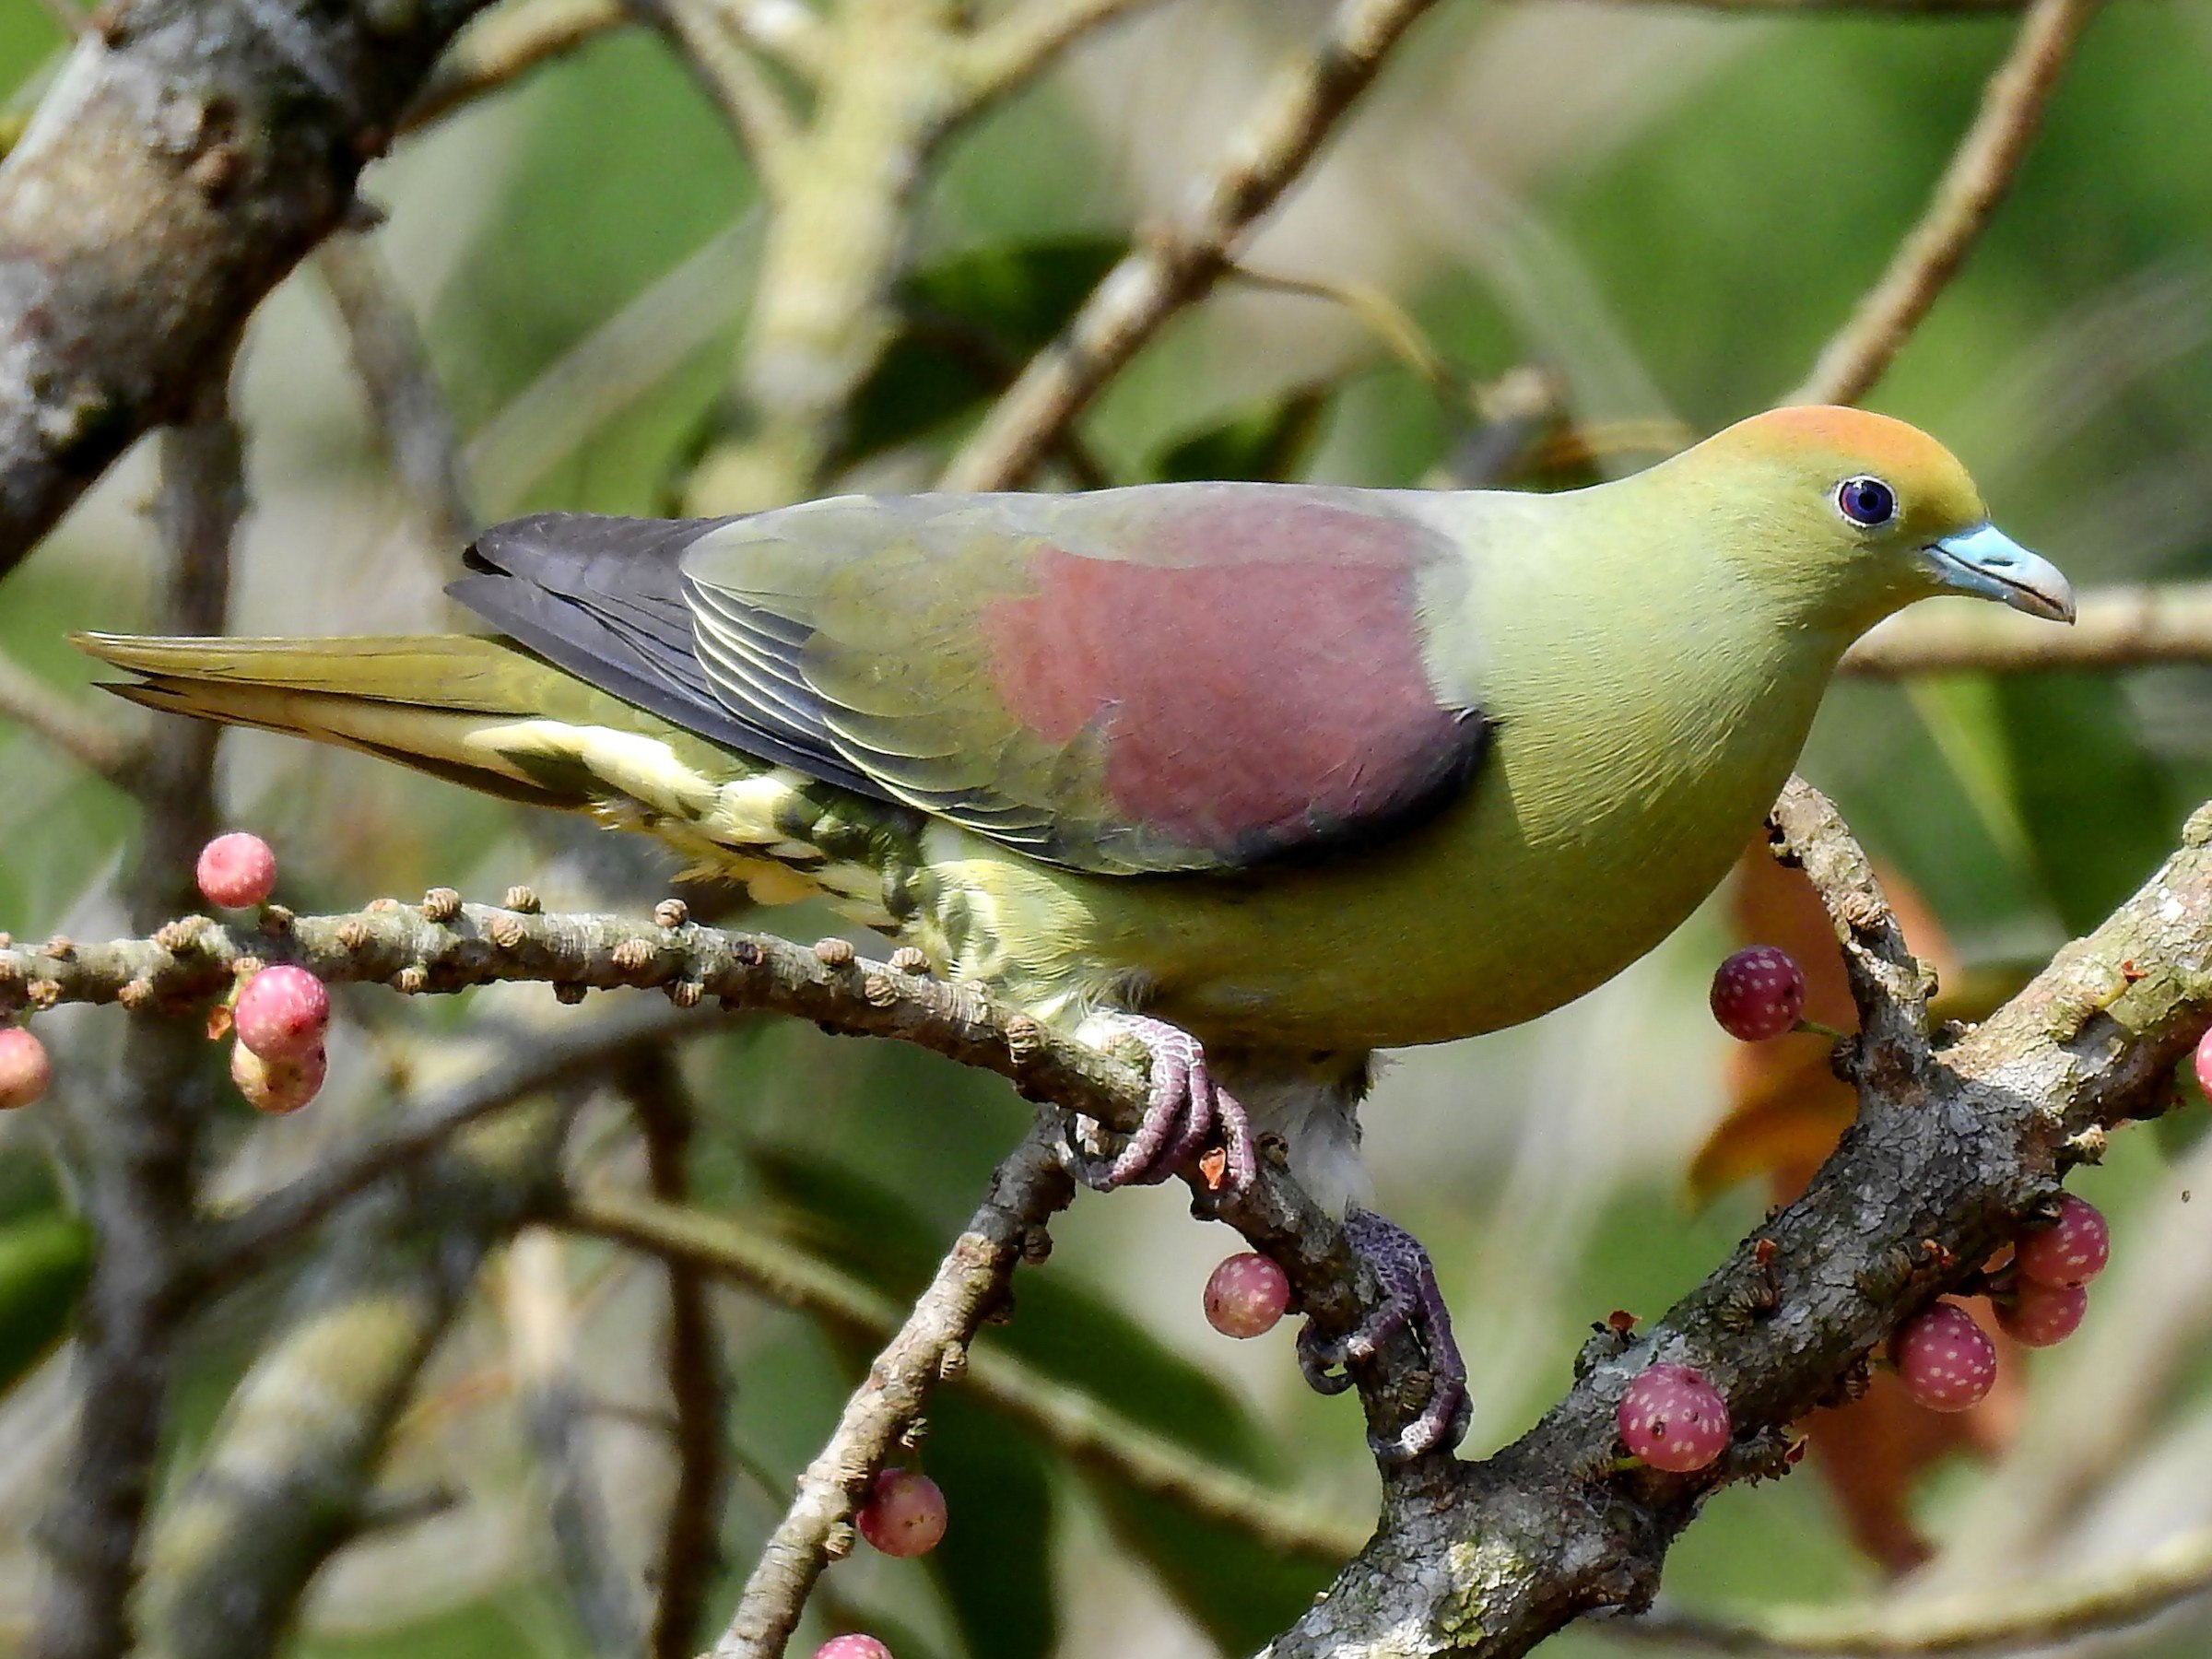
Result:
pixel 1980 174
pixel 1070 1421
pixel 140 1144
pixel 287 1474
pixel 190 154
pixel 1182 262
pixel 1945 1163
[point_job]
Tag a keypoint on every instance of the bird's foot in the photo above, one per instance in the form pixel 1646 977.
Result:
pixel 1186 1112
pixel 1409 1295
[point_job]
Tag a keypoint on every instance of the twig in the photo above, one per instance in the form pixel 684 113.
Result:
pixel 1181 264
pixel 97 745
pixel 141 1142
pixel 1068 1420
pixel 1917 8
pixel 2028 1618
pixel 787 31
pixel 239 1242
pixel 1980 174
pixel 1003 53
pixel 1890 986
pixel 690 1553
pixel 505 44
pixel 412 419
pixel 542 1324
pixel 755 108
pixel 1027 1189
pixel 141 227
pixel 2114 627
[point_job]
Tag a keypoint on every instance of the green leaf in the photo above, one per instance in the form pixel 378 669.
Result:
pixel 994 1564
pixel 2099 811
pixel 970 323
pixel 1268 440
pixel 43 1265
pixel 1238 1589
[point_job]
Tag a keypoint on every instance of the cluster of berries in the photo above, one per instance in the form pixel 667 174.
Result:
pixel 280 1014
pixel 1672 1418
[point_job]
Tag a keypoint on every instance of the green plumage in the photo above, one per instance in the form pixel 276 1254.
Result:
pixel 1280 858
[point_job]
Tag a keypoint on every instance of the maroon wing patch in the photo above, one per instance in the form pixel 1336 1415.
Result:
pixel 1253 687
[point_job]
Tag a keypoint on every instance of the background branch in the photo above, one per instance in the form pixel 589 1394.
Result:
pixel 190 155
pixel 1966 197
pixel 1179 264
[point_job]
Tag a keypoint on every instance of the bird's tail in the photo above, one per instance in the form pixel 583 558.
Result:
pixel 426 701
pixel 494 718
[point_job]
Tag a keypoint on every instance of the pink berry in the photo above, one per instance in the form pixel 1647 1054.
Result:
pixel 277 1087
pixel 282 1013
pixel 2070 1254
pixel 1246 1296
pixel 236 870
pixel 24 1069
pixel 852 1647
pixel 1944 1358
pixel 1672 1418
pixel 2041 1316
pixel 2203 1064
pixel 1758 993
pixel 905 1514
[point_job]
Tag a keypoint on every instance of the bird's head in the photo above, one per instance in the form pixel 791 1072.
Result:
pixel 1862 514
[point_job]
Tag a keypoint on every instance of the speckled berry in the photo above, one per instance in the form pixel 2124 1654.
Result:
pixel 24 1069
pixel 904 1515
pixel 277 1087
pixel 282 1013
pixel 1672 1418
pixel 1246 1296
pixel 2070 1254
pixel 852 1647
pixel 1944 1358
pixel 236 870
pixel 1758 993
pixel 2040 1316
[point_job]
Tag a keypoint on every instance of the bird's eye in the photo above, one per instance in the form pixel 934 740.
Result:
pixel 1867 502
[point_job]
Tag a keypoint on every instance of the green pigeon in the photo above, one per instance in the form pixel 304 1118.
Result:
pixel 1268 776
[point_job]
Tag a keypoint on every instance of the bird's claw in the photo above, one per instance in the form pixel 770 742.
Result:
pixel 1409 1296
pixel 1186 1111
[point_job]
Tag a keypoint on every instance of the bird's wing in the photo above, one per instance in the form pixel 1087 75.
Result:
pixel 1183 678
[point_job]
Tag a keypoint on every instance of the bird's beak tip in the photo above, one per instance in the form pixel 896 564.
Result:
pixel 1988 563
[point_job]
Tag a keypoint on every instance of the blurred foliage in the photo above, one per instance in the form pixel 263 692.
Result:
pixel 1699 251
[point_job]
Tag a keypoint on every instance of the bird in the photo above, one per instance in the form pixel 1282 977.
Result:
pixel 1268 777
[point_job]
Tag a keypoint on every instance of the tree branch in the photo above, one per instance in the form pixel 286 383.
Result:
pixel 2113 628
pixel 1943 1166
pixel 1181 264
pixel 1027 1189
pixel 690 1552
pixel 190 154
pixel 1980 174
pixel 2021 1618
pixel 1073 1423
pixel 755 108
pixel 97 745
pixel 1022 43
pixel 141 1142
pixel 412 419
pixel 505 44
